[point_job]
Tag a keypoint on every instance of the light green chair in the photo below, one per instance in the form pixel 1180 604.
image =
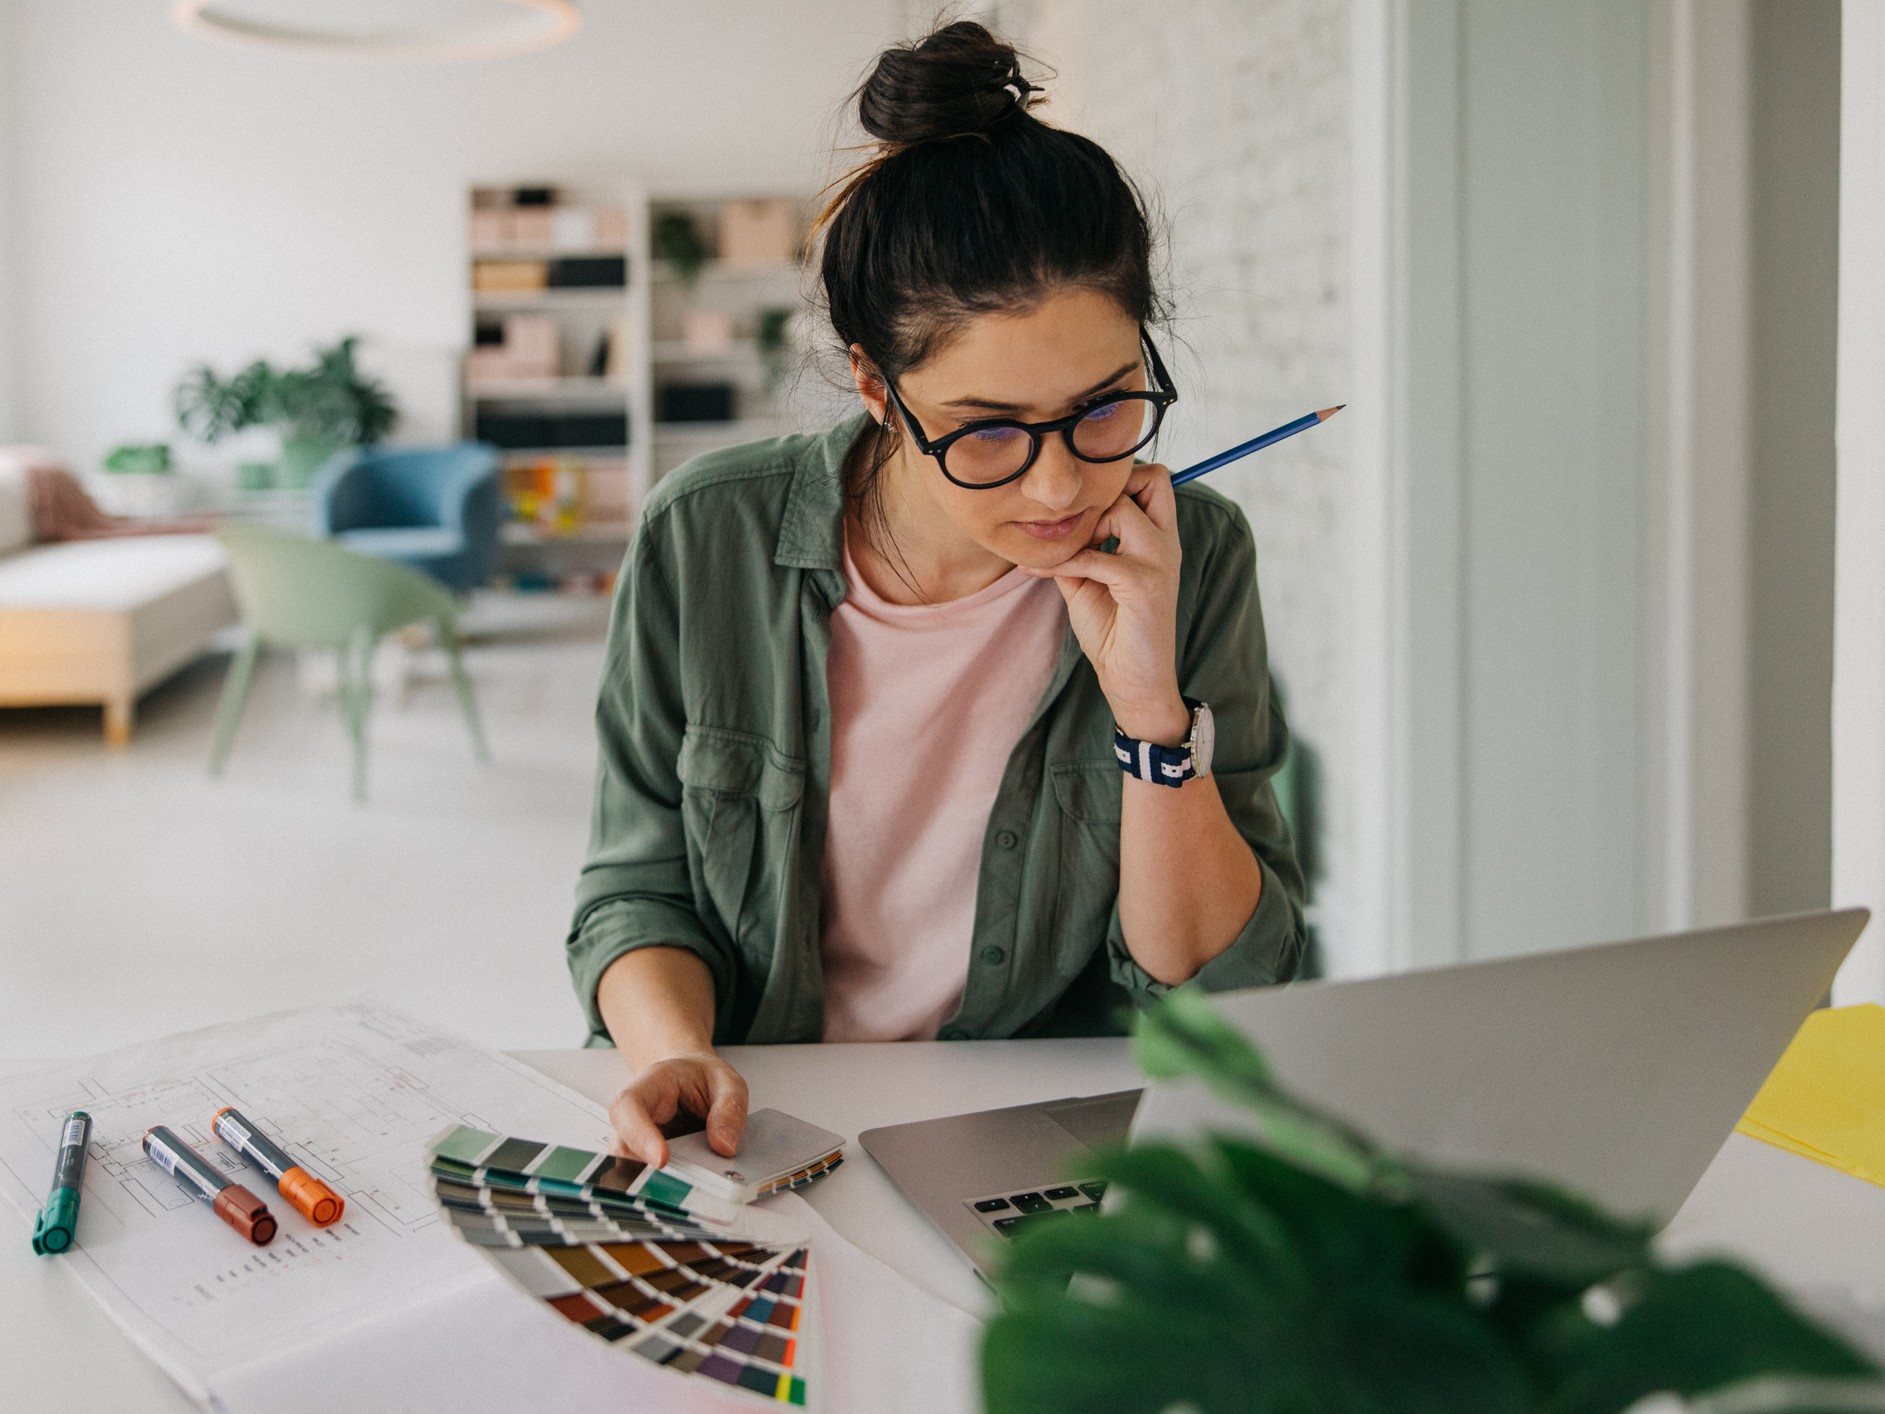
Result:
pixel 300 593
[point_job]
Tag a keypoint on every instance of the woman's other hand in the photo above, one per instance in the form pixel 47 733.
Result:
pixel 1124 607
pixel 698 1083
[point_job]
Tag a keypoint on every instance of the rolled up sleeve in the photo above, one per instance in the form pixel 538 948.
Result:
pixel 636 889
pixel 1224 660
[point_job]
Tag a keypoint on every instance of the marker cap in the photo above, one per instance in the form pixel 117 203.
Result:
pixel 246 1213
pixel 313 1199
pixel 52 1231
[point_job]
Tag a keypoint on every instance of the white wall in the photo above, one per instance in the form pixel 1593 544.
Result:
pixel 182 200
pixel 9 395
pixel 1859 569
pixel 1233 115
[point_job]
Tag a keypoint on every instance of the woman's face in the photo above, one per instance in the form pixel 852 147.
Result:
pixel 1067 350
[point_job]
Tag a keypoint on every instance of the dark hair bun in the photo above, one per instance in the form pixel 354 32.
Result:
pixel 959 81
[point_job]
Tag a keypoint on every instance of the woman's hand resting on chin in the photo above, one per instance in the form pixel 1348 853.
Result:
pixel 1124 607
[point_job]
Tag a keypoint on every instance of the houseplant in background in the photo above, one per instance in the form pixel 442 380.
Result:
pixel 774 339
pixel 139 459
pixel 1309 1270
pixel 316 410
pixel 677 239
pixel 140 483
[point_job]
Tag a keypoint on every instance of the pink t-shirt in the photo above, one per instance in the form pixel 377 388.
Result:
pixel 927 703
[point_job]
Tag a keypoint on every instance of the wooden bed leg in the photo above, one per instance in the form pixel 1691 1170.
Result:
pixel 118 713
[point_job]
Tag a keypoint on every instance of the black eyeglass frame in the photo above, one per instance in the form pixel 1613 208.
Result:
pixel 1160 397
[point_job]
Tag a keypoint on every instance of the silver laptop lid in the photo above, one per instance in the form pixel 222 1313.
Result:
pixel 1617 1070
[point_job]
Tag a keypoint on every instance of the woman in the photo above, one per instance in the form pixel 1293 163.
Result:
pixel 906 729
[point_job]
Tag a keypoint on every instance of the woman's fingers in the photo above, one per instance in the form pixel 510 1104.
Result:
pixel 705 1086
pixel 1146 522
pixel 726 1117
pixel 1154 496
pixel 637 1135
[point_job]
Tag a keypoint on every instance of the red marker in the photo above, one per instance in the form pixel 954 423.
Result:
pixel 233 1203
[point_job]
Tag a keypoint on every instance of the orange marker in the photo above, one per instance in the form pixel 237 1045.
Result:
pixel 313 1199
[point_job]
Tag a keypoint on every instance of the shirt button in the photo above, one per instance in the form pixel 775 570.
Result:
pixel 993 955
pixel 1007 839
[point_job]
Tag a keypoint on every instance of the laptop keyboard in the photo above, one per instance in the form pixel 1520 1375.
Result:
pixel 1008 1213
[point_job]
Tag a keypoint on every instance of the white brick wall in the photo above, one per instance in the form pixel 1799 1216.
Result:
pixel 1233 116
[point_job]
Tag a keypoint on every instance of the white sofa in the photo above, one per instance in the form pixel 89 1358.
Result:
pixel 101 620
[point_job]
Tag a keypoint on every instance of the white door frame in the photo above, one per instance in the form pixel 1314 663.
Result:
pixel 1859 555
pixel 1406 426
pixel 1406 421
pixel 1694 799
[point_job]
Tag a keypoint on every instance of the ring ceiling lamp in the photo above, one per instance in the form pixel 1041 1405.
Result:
pixel 422 31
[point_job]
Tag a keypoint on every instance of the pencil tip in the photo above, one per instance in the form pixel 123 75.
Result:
pixel 1328 413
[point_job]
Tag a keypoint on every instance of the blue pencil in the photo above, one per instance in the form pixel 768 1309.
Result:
pixel 1256 444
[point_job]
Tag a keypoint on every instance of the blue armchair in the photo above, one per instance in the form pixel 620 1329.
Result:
pixel 435 509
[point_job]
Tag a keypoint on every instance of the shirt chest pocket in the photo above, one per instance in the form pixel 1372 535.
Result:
pixel 740 810
pixel 1088 795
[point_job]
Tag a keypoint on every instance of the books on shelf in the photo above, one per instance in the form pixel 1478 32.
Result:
pixel 500 230
pixel 567 272
pixel 513 346
pixel 549 428
pixel 695 402
pixel 564 495
pixel 510 276
pixel 588 272
pixel 761 232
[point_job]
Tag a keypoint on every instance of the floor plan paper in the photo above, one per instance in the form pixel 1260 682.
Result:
pixel 483 1348
pixel 882 1342
pixel 885 1342
pixel 355 1093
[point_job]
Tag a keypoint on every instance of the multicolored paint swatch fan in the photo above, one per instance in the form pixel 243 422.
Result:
pixel 637 1256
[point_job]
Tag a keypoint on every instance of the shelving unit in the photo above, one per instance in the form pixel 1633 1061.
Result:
pixel 676 346
pixel 558 276
pixel 705 329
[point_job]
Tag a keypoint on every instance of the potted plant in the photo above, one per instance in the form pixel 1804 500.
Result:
pixel 677 239
pixel 1310 1270
pixel 316 410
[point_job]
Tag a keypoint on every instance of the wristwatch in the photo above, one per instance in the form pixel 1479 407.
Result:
pixel 1169 765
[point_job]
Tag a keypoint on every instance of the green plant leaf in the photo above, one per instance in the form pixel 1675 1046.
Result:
pixel 1250 1231
pixel 1182 1035
pixel 1692 1330
pixel 1530 1228
pixel 1345 1236
pixel 1300 1269
pixel 1171 1322
pixel 1413 1353
pixel 1795 1395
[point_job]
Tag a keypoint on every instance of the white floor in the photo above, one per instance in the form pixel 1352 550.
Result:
pixel 138 896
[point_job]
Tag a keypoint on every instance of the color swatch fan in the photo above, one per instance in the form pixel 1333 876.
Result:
pixel 644 1258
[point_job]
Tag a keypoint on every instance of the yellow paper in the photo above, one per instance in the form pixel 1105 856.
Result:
pixel 1826 1099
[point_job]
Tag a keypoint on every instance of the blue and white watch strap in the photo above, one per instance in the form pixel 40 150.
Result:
pixel 1147 761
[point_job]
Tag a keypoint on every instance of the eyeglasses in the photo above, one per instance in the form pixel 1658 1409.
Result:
pixel 993 451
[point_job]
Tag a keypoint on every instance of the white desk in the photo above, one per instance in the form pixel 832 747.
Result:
pixel 1818 1232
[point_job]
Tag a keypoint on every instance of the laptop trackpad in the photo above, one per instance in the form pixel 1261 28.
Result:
pixel 1095 1120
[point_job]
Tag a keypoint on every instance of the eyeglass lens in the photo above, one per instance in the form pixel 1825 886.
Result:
pixel 1110 430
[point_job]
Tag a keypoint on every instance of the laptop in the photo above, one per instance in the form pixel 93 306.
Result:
pixel 1617 1070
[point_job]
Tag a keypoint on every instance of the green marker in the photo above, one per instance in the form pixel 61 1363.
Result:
pixel 59 1219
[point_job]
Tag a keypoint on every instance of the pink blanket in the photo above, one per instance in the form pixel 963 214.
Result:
pixel 63 511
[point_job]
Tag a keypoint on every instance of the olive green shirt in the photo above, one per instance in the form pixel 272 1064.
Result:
pixel 714 735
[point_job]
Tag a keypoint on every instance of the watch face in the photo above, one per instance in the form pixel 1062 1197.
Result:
pixel 1203 740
